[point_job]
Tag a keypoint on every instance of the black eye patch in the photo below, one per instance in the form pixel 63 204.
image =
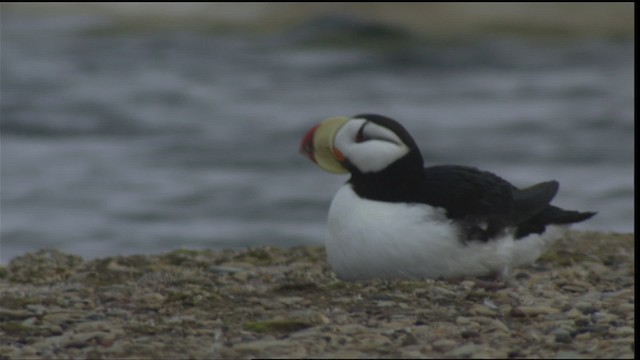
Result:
pixel 360 135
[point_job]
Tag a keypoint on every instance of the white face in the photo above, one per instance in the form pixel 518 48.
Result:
pixel 370 148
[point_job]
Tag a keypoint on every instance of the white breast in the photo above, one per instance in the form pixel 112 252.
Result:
pixel 374 239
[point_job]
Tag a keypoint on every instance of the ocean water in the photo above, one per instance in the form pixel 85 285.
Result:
pixel 122 142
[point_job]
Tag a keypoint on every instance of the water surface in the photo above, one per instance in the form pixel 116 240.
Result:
pixel 117 142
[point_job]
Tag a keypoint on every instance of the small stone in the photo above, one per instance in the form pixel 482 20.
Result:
pixel 224 269
pixel 444 292
pixel 574 313
pixel 486 355
pixel 589 310
pixel 312 332
pixel 241 276
pixel 622 331
pixel 468 334
pixel 385 303
pixel 464 351
pixel 537 310
pixel 152 300
pixel 595 329
pixel 90 326
pixel 583 336
pixel 568 355
pixel 63 317
pixel 622 294
pixel 468 284
pixel 115 267
pixel 582 305
pixel 341 354
pixel 573 288
pixel 603 317
pixel 290 300
pixel 490 304
pixel 499 326
pixel 261 346
pixel 30 321
pixel 626 308
pixel 38 309
pixel 320 319
pixel 81 340
pixel 10 314
pixel 482 310
pixel 582 322
pixel 408 340
pixel 443 344
pixel 562 335
pixel 484 320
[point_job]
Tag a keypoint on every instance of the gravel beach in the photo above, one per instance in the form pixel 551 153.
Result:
pixel 577 301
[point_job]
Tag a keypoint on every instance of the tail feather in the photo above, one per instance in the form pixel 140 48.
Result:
pixel 551 215
pixel 556 215
pixel 533 200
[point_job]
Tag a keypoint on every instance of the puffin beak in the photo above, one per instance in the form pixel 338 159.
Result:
pixel 317 145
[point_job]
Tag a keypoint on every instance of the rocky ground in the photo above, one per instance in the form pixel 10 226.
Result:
pixel 576 302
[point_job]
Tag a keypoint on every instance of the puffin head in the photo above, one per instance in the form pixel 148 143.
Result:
pixel 362 144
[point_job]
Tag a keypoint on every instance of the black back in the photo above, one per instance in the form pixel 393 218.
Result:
pixel 482 203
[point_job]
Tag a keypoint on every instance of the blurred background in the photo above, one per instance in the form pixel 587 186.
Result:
pixel 141 128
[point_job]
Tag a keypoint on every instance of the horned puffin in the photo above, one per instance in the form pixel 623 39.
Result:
pixel 394 218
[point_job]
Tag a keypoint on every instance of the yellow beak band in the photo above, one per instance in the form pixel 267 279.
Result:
pixel 326 156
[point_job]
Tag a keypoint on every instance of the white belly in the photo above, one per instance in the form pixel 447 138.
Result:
pixel 374 239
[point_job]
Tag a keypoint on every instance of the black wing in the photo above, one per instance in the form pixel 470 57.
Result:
pixel 467 192
pixel 484 203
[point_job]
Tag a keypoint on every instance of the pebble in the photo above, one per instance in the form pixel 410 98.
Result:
pixel 562 335
pixel 468 284
pixel 574 288
pixel 588 310
pixel 37 309
pixel 583 336
pixel 226 269
pixel 622 331
pixel 482 310
pixel 261 346
pixel 574 314
pixel 467 334
pixel 599 317
pixel 385 304
pixel 465 350
pixel 11 314
pixel 61 317
pixel 290 300
pixel 443 344
pixel 91 326
pixel 568 355
pixel 241 276
pixel 487 354
pixel 116 267
pixel 311 332
pixel 152 300
pixel 499 326
pixel 537 310
pixel 626 308
pixel 596 329
pixel 30 321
